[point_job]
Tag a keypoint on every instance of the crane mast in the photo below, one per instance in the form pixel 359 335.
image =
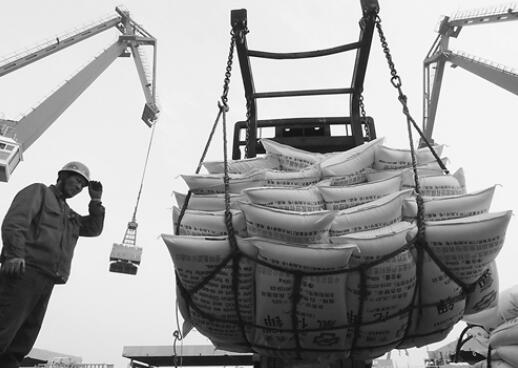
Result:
pixel 440 53
pixel 17 136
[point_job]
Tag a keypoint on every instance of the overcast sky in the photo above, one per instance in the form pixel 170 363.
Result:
pixel 97 312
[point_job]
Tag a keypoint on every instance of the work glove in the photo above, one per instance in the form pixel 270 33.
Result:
pixel 13 267
pixel 95 189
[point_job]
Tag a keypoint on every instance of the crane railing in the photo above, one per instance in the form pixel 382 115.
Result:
pixel 482 15
pixel 490 63
pixel 19 54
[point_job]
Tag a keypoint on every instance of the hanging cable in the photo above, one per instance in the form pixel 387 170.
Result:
pixel 223 100
pixel 178 336
pixel 134 218
pixel 125 257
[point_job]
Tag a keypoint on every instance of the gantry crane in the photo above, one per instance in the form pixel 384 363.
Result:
pixel 439 54
pixel 17 136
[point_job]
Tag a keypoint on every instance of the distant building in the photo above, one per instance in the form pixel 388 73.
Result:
pixel 40 358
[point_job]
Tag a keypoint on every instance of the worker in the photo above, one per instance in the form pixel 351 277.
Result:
pixel 39 234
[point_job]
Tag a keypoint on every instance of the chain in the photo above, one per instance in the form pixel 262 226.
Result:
pixel 248 113
pixel 364 118
pixel 223 107
pixel 228 71
pixel 396 82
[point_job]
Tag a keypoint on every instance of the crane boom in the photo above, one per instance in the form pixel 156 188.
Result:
pixel 32 125
pixel 502 76
pixel 11 64
pixel 17 136
pixel 439 54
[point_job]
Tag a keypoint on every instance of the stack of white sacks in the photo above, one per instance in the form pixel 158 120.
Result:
pixel 305 222
pixel 497 327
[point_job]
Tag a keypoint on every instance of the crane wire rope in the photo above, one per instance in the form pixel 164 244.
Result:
pixel 134 218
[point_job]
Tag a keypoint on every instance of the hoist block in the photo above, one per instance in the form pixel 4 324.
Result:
pixel 124 258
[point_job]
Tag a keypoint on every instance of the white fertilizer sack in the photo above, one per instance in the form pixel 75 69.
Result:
pixel 485 294
pixel 288 226
pixel 305 199
pixel 214 183
pixel 206 223
pixel 242 166
pixel 449 207
pixel 390 286
pixel 467 246
pixel 507 309
pixel 208 202
pixel 350 167
pixel 321 302
pixel 343 197
pixel 393 158
pixel 195 259
pixel 290 158
pixel 441 185
pixel 442 306
pixel 508 354
pixel 304 177
pixel 369 216
pixel 505 334
pixel 407 174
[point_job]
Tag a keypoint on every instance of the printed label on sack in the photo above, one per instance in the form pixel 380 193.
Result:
pixel 373 215
pixel 289 226
pixel 300 178
pixel 389 286
pixel 195 258
pixel 207 202
pixel 320 302
pixel 350 163
pixel 342 197
pixel 485 294
pixel 290 158
pixel 393 158
pixel 306 199
pixel 444 208
pixel 242 166
pixel 206 223
pixel 468 245
pixel 213 184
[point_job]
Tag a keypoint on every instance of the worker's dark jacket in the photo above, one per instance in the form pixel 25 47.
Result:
pixel 41 228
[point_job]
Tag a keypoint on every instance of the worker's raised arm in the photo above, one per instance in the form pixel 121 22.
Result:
pixel 92 224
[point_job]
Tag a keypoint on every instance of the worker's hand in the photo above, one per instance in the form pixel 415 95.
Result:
pixel 13 267
pixel 95 189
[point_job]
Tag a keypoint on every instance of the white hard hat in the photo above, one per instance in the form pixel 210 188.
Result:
pixel 78 168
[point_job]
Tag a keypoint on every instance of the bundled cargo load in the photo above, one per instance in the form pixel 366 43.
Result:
pixel 334 255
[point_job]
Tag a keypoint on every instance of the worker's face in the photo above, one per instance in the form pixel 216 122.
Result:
pixel 73 185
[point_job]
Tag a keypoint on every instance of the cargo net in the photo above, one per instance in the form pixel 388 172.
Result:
pixel 310 257
pixel 298 302
pixel 260 267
